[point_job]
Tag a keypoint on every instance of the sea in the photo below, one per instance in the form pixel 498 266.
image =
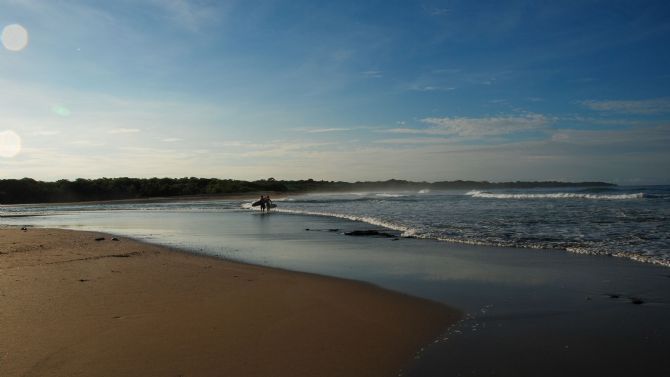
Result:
pixel 623 221
pixel 627 221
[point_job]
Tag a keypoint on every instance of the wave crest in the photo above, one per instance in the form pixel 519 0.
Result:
pixel 556 195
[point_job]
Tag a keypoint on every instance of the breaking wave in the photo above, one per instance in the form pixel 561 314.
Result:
pixel 631 223
pixel 404 230
pixel 555 195
pixel 387 195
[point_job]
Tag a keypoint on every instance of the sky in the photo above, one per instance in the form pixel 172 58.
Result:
pixel 500 90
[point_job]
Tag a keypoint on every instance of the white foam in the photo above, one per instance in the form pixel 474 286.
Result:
pixel 386 195
pixel 636 257
pixel 424 191
pixel 556 195
pixel 405 231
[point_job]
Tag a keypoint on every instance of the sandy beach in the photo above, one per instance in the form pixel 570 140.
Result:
pixel 74 306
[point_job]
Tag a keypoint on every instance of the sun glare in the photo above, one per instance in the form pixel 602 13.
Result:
pixel 10 144
pixel 14 37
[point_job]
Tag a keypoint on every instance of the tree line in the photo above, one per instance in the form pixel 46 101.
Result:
pixel 28 190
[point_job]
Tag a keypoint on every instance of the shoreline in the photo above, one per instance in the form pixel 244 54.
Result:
pixel 636 258
pixel 160 199
pixel 72 305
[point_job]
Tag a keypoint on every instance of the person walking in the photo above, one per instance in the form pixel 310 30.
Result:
pixel 263 203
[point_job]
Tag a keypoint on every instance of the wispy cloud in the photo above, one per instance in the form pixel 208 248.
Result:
pixel 45 133
pixel 417 140
pixel 191 15
pixel 170 139
pixel 488 126
pixel 617 122
pixel 123 130
pixel 644 107
pixel 87 143
pixel 435 11
pixel 431 88
pixel 478 127
pixel 373 74
pixel 323 130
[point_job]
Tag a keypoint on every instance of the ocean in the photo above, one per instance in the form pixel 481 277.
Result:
pixel 627 221
pixel 631 222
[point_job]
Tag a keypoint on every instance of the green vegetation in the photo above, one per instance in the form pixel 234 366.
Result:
pixel 27 190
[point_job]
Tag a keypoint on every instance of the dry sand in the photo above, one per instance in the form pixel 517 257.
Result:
pixel 73 306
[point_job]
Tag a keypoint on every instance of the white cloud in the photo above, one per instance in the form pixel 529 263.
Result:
pixel 644 107
pixel 171 140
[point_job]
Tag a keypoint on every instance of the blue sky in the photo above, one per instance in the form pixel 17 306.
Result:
pixel 347 90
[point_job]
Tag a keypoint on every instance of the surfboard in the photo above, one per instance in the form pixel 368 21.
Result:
pixel 272 205
pixel 256 203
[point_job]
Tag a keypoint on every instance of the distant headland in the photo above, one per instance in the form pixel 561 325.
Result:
pixel 28 190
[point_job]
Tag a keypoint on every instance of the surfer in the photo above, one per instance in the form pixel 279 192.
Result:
pixel 263 203
pixel 268 203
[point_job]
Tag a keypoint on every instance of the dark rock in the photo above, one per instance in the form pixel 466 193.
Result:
pixel 333 230
pixel 100 239
pixel 614 296
pixel 307 229
pixel 24 228
pixel 636 301
pixel 114 239
pixel 369 233
pixel 83 280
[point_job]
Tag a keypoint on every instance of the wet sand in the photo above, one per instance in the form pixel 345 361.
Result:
pixel 74 306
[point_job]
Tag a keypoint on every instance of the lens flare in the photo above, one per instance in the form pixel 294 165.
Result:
pixel 10 144
pixel 61 110
pixel 14 37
